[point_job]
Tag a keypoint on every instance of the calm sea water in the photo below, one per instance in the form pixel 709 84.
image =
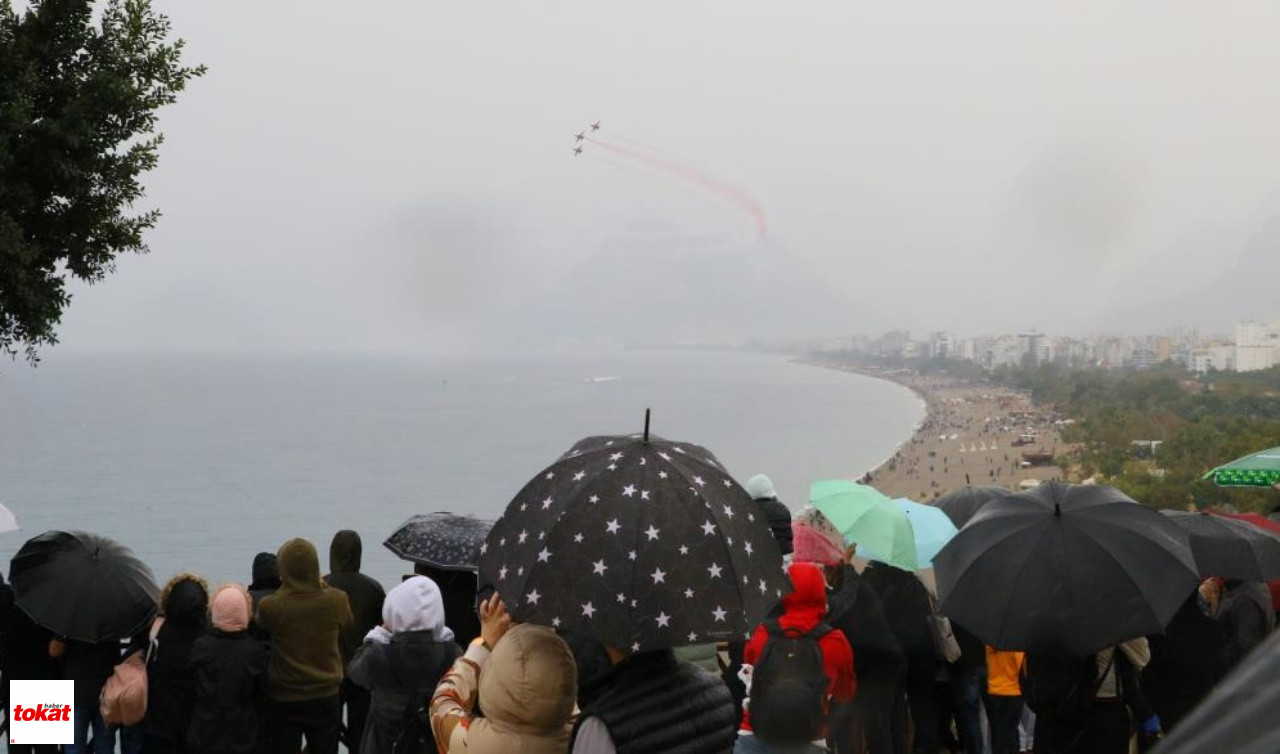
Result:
pixel 198 463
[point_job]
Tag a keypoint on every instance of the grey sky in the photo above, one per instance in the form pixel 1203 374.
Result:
pixel 390 174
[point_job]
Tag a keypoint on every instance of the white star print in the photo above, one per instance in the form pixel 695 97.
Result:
pixel 484 548
pixel 663 620
pixel 729 540
pixel 520 571
pixel 751 517
pixel 688 594
pixel 635 647
pixel 684 550
pixel 622 598
pixel 631 555
pixel 612 527
pixel 577 538
pixel 719 614
pixel 708 528
pixel 663 475
pixel 699 481
pixel 714 570
pixel 542 535
pixel 745 580
pixel 658 576
pixel 544 555
pixel 748 548
pixel 763 588
pixel 502 572
pixel 644 494
pixel 502 542
pixel 651 533
pixel 728 511
pixel 599 567
pixel 727 483
pixel 533 597
pixel 615 457
pixel 588 610
pixel 693 637
pixel 547 503
pixel 551 475
pixel 524 506
pixel 579 476
pixel 644 461
pixel 629 490
pixel 613 467
pixel 555 622
pixel 664 456
pixel 678 449
pixel 633 603
pixel 523 536
pixel 593 499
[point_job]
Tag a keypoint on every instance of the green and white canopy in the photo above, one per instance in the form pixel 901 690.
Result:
pixel 1261 469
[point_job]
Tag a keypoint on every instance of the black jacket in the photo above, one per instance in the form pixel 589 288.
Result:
pixel 651 702
pixel 1247 616
pixel 905 603
pixel 230 688
pixel 401 676
pixel 363 593
pixel 24 647
pixel 171 680
pixel 779 517
pixel 1187 661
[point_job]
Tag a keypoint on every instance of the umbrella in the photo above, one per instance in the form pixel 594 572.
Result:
pixel 638 542
pixel 1229 548
pixel 7 521
pixel 1240 715
pixel 865 516
pixel 448 541
pixel 83 586
pixel 930 527
pixel 1261 469
pixel 961 505
pixel 1256 519
pixel 1065 567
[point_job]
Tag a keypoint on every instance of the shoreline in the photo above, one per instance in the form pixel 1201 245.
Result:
pixel 967 436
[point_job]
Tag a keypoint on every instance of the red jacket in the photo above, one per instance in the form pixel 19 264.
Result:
pixel 804 608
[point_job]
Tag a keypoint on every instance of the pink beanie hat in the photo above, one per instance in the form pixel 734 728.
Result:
pixel 815 539
pixel 230 608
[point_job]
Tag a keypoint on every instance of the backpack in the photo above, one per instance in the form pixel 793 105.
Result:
pixel 123 699
pixel 1060 685
pixel 415 736
pixel 789 685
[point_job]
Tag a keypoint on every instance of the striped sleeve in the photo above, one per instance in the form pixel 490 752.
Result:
pixel 455 698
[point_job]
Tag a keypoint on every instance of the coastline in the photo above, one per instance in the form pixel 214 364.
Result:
pixel 967 436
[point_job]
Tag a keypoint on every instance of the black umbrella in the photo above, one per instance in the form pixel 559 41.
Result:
pixel 83 586
pixel 1065 567
pixel 639 543
pixel 1240 715
pixel 442 540
pixel 962 504
pixel 1229 548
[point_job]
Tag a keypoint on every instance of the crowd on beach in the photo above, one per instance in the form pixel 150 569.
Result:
pixel 845 662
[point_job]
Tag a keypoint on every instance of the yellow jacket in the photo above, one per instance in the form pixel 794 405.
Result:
pixel 1003 669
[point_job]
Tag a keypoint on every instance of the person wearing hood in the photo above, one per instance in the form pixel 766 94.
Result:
pixel 524 678
pixel 1246 616
pixel 365 596
pixel 760 488
pixel 304 619
pixel 866 725
pixel 230 671
pixel 171 679
pixel 458 589
pixel 803 609
pixel 1188 659
pixel 400 661
pixel 266 577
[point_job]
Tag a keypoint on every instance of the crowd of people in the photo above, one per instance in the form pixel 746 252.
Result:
pixel 846 662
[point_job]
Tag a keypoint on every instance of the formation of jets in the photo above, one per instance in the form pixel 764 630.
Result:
pixel 582 135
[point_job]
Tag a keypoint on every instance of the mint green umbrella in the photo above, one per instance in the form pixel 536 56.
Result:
pixel 865 516
pixel 930 526
pixel 1261 469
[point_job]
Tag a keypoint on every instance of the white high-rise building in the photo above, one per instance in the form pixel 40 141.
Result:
pixel 1257 345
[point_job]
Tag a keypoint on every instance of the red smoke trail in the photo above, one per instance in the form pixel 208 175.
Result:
pixel 685 172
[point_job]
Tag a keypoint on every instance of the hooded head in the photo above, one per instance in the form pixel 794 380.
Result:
pixel 530 684
pixel 415 604
pixel 184 601
pixel 814 539
pixel 344 552
pixel 299 566
pixel 230 608
pixel 266 571
pixel 760 487
pixel 805 605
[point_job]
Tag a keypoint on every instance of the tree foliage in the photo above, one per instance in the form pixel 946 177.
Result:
pixel 79 95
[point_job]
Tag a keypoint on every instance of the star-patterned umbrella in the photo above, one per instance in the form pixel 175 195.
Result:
pixel 442 540
pixel 639 542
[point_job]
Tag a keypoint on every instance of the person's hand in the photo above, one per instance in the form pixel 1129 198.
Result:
pixel 494 620
pixel 57 648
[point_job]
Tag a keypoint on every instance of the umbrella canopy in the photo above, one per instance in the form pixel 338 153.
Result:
pixel 448 541
pixel 640 544
pixel 1255 519
pixel 1240 715
pixel 931 527
pixel 1065 567
pixel 1229 548
pixel 1260 469
pixel 865 516
pixel 83 586
pixel 961 505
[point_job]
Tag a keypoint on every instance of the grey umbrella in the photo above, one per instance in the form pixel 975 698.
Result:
pixel 448 541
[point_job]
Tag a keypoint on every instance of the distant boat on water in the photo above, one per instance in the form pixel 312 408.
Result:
pixel 600 379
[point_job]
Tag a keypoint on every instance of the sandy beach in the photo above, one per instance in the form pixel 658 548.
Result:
pixel 971 434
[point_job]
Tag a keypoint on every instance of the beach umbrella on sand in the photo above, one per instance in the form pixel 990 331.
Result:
pixel 1229 548
pixel 83 586
pixel 638 542
pixel 1261 469
pixel 1065 567
pixel 866 517
pixel 961 505
pixel 447 541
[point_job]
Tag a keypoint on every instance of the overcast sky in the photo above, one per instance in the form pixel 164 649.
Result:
pixel 391 174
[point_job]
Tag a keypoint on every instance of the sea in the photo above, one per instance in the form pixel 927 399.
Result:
pixel 197 462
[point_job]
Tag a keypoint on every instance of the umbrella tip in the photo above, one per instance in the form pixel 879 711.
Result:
pixel 646 425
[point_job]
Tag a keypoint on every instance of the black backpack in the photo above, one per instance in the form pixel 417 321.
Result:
pixel 415 736
pixel 789 685
pixel 1060 685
